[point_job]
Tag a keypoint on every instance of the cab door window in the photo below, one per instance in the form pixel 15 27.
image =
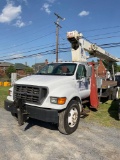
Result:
pixel 81 72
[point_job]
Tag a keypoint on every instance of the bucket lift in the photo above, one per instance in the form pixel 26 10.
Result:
pixel 80 46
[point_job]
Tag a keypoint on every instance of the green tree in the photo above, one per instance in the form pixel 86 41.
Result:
pixel 10 70
pixel 28 70
pixel 108 66
pixel 118 68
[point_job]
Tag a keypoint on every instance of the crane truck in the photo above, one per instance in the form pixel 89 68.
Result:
pixel 57 93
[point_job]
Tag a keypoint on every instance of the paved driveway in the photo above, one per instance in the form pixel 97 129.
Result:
pixel 36 140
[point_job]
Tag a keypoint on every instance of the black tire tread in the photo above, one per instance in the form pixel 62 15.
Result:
pixel 62 126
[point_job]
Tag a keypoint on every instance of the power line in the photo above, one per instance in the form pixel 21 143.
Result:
pixel 40 28
pixel 110 45
pixel 17 40
pixel 61 50
pixel 27 51
pixel 96 29
pixel 24 49
pixel 28 41
pixel 31 55
pixel 112 36
pixel 106 37
pixel 104 34
pixel 35 54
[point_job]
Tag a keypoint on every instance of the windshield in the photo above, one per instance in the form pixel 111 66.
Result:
pixel 58 69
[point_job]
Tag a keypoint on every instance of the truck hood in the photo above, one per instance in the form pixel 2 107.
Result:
pixel 44 80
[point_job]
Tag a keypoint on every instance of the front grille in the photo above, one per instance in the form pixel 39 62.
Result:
pixel 30 94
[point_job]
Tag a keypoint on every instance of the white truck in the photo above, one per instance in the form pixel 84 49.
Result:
pixel 57 93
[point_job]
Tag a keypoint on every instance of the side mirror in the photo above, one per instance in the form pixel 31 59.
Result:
pixel 89 71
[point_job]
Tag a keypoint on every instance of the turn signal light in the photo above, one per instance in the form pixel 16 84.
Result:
pixel 61 100
pixel 58 100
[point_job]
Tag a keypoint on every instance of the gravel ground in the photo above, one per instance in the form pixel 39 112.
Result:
pixel 42 141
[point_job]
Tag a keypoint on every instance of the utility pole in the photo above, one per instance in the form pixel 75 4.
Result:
pixel 57 33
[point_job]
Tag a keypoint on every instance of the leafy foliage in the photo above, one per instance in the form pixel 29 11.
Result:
pixel 108 66
pixel 10 70
pixel 28 70
pixel 118 68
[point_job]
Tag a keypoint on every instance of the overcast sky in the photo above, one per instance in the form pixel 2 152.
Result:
pixel 27 27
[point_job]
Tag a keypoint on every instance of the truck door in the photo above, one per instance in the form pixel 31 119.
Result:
pixel 82 82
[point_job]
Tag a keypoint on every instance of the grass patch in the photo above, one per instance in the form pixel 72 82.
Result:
pixel 3 95
pixel 107 114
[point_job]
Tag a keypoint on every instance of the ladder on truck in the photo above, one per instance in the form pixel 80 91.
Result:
pixel 80 46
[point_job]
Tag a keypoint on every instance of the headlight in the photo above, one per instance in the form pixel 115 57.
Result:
pixel 58 100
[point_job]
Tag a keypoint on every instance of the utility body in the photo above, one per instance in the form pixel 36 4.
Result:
pixel 58 91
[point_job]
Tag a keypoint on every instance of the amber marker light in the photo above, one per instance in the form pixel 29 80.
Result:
pixel 58 100
pixel 61 100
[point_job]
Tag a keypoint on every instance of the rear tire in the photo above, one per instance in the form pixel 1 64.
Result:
pixel 115 94
pixel 69 118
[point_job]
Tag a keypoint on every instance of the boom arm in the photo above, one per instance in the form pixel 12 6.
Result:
pixel 80 46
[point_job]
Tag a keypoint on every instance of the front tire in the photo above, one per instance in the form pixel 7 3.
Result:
pixel 69 118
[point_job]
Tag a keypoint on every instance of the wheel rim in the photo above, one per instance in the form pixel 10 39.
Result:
pixel 72 117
